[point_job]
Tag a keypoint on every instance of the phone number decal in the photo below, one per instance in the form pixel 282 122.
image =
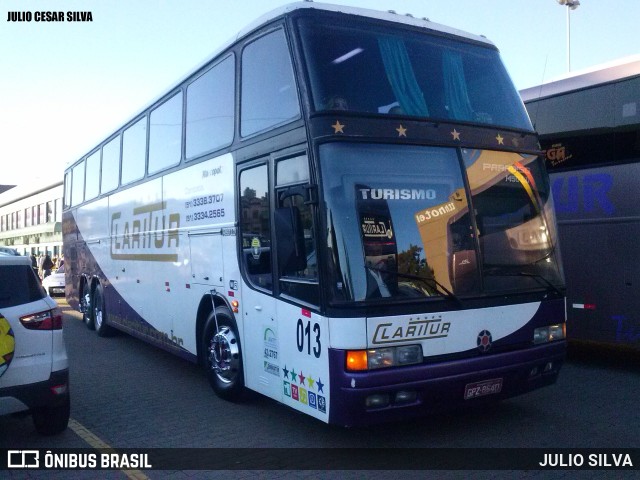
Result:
pixel 205 214
pixel 204 200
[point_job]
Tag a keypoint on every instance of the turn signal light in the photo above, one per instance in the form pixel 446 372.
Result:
pixel 357 360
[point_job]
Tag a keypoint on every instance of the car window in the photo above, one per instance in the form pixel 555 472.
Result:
pixel 18 285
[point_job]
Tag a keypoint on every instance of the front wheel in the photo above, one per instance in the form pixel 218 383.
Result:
pixel 223 357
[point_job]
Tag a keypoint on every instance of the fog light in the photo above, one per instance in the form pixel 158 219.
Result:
pixel 534 372
pixel 378 400
pixel 406 397
pixel 548 367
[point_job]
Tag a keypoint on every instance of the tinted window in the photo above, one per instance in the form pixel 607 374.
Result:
pixel 255 225
pixel 67 189
pixel 210 109
pixel 397 71
pixel 18 285
pixel 111 165
pixel 134 146
pixel 77 188
pixel 165 136
pixel 269 94
pixel 92 188
pixel 298 278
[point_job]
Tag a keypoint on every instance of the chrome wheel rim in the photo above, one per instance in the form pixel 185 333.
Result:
pixel 224 355
pixel 98 317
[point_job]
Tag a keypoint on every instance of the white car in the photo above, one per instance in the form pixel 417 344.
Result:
pixel 54 283
pixel 34 368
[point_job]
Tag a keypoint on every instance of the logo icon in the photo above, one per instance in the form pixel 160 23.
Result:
pixel 484 341
pixel 23 459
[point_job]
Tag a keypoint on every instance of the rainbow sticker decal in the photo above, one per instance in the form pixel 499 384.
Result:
pixel 7 345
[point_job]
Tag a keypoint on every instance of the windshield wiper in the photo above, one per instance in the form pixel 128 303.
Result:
pixel 437 285
pixel 500 271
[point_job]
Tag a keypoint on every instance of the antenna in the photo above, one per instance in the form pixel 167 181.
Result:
pixel 544 72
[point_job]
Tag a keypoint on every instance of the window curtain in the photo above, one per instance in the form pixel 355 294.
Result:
pixel 401 76
pixel 455 88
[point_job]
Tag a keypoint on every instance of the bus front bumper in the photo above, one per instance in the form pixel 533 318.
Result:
pixel 402 393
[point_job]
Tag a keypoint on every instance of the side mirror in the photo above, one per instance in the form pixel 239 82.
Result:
pixel 290 240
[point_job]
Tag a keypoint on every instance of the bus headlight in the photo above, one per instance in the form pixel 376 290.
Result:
pixel 549 333
pixel 383 357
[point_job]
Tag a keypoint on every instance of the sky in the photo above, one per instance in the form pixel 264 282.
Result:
pixel 65 86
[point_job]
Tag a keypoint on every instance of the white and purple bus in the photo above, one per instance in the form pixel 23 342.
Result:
pixel 344 210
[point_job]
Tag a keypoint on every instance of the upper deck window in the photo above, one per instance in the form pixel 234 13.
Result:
pixel 210 109
pixel 92 175
pixel 165 137
pixel 269 92
pixel 134 150
pixel 111 165
pixel 398 70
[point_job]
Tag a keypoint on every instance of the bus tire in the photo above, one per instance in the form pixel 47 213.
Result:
pixel 223 357
pixel 85 307
pixel 100 313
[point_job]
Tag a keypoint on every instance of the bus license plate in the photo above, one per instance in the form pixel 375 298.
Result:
pixel 480 389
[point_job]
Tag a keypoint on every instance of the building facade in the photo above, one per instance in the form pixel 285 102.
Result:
pixel 31 219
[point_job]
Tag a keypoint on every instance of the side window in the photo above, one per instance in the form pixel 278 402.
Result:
pixel 210 109
pixel 134 149
pixel 111 165
pixel 269 93
pixel 67 190
pixel 77 184
pixel 295 231
pixel 92 188
pixel 255 226
pixel 165 134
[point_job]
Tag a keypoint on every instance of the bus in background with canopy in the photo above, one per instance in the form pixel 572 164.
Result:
pixel 589 126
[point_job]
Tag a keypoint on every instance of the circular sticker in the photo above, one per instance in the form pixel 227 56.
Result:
pixel 7 345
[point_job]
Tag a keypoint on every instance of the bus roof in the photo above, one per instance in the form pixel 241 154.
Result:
pixel 598 75
pixel 390 16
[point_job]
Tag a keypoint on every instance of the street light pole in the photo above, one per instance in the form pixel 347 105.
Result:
pixel 571 5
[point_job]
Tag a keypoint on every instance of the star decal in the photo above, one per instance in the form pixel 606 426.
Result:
pixel 402 132
pixel 301 377
pixel 310 381
pixel 455 134
pixel 500 139
pixel 338 127
pixel 293 375
pixel 320 386
pixel 286 372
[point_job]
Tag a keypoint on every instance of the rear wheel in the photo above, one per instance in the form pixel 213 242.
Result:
pixel 223 357
pixel 100 313
pixel 85 308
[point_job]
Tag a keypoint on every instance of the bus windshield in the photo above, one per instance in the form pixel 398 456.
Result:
pixel 398 71
pixel 399 223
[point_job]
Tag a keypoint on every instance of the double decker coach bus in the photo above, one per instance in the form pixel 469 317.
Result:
pixel 344 210
pixel 589 126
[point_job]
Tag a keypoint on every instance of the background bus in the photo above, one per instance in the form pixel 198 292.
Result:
pixel 360 228
pixel 589 126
